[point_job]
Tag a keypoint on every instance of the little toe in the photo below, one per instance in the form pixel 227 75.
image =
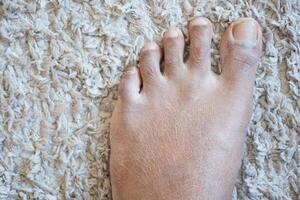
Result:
pixel 241 48
pixel 130 85
pixel 173 43
pixel 200 31
pixel 149 63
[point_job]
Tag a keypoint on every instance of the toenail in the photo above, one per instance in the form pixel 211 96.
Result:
pixel 172 33
pixel 246 31
pixel 150 46
pixel 130 70
pixel 199 22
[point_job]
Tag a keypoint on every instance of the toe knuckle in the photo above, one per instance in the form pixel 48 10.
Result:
pixel 149 72
pixel 146 55
pixel 171 60
pixel 199 54
pixel 244 57
pixel 245 63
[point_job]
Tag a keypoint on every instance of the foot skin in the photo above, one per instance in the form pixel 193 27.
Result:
pixel 178 134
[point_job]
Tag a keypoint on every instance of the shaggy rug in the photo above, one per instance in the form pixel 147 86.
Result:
pixel 61 61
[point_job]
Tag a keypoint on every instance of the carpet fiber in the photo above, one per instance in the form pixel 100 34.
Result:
pixel 60 64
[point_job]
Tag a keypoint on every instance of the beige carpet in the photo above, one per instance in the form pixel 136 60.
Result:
pixel 60 63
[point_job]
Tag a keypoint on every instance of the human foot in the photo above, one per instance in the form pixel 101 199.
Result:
pixel 178 134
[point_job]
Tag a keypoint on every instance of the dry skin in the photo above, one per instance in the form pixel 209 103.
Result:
pixel 60 63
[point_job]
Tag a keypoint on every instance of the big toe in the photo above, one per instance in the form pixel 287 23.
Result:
pixel 241 48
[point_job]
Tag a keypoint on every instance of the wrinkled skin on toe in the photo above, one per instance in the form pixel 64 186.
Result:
pixel 178 134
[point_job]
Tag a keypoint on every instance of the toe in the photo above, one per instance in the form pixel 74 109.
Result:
pixel 173 43
pixel 200 31
pixel 130 85
pixel 149 63
pixel 241 48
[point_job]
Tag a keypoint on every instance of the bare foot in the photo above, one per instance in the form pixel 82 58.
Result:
pixel 178 134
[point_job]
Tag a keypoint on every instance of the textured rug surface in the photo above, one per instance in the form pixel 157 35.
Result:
pixel 61 61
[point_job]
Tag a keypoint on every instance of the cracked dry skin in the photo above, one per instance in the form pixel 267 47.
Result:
pixel 178 132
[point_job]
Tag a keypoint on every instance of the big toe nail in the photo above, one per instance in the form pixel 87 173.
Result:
pixel 246 31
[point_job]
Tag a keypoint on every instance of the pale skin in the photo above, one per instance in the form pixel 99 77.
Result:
pixel 178 132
